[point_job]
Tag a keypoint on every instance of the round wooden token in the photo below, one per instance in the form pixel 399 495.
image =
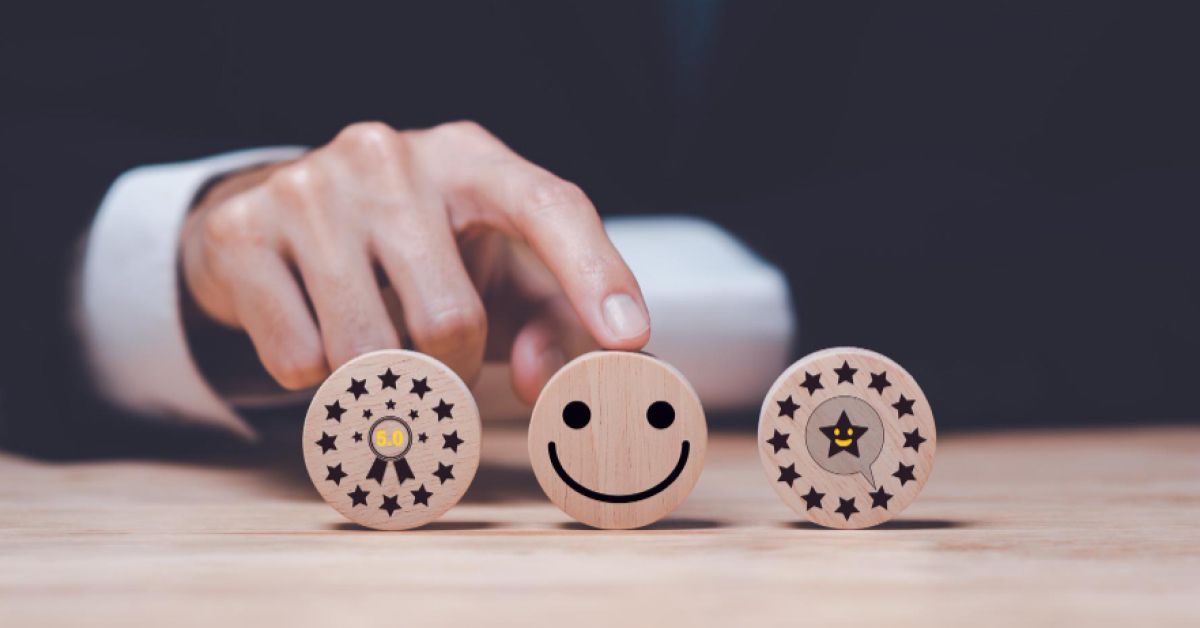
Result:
pixel 847 438
pixel 617 440
pixel 391 439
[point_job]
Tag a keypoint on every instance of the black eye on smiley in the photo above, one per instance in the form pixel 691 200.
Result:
pixel 577 415
pixel 660 415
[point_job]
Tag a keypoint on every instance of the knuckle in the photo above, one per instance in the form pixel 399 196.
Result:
pixel 464 129
pixel 548 193
pixel 368 139
pixel 460 136
pixel 461 326
pixel 235 223
pixel 297 182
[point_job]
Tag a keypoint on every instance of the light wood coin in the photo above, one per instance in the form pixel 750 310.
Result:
pixel 391 439
pixel 847 438
pixel 617 440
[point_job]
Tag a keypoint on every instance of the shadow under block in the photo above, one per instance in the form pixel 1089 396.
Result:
pixel 847 438
pixel 617 440
pixel 392 439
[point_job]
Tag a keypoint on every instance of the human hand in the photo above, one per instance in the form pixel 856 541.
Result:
pixel 487 255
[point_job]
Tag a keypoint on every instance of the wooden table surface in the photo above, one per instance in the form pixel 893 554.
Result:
pixel 1081 527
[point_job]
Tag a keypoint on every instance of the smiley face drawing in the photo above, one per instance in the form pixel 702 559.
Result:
pixel 617 440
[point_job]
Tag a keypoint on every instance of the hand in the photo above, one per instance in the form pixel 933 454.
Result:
pixel 487 255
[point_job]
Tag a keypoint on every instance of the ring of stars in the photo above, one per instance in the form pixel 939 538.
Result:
pixel 794 402
pixel 391 439
pixel 358 395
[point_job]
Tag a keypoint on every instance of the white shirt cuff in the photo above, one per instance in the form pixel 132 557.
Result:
pixel 129 314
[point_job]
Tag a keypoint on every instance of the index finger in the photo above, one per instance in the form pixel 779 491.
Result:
pixel 486 183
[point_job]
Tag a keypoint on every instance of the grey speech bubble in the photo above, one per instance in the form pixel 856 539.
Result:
pixel 838 459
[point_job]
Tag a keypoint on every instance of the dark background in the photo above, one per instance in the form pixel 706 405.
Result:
pixel 1000 196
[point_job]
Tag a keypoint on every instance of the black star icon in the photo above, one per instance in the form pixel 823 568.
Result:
pixel 843 435
pixel 444 472
pixel 778 441
pixel 879 381
pixel 443 409
pixel 335 474
pixel 357 437
pixel 358 497
pixel 391 503
pixel 914 439
pixel 846 507
pixel 812 381
pixel 813 499
pixel 452 441
pixel 879 498
pixel 391 405
pixel 367 414
pixel 389 379
pixel 327 442
pixel 358 387
pixel 421 496
pixel 412 414
pixel 904 406
pixel 422 437
pixel 788 407
pixel 845 373
pixel 905 473
pixel 420 387
pixel 788 474
pixel 335 411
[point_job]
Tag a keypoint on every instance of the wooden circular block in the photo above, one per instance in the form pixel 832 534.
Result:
pixel 847 438
pixel 391 439
pixel 617 440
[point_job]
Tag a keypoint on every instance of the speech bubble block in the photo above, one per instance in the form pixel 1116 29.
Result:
pixel 845 436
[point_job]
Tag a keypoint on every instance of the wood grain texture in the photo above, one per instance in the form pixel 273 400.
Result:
pixel 621 470
pixel 1044 528
pixel 429 439
pixel 871 406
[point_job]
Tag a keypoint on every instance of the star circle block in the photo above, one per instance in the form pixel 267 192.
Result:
pixel 860 447
pixel 367 445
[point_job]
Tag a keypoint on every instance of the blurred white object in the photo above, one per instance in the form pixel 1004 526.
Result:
pixel 719 313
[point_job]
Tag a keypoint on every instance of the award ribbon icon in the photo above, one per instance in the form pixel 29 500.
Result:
pixel 390 434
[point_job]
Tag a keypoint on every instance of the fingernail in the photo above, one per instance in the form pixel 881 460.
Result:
pixel 624 317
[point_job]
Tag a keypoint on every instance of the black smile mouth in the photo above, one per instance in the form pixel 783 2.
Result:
pixel 620 499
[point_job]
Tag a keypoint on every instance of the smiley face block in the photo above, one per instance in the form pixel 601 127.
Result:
pixel 617 440
pixel 391 439
pixel 847 438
